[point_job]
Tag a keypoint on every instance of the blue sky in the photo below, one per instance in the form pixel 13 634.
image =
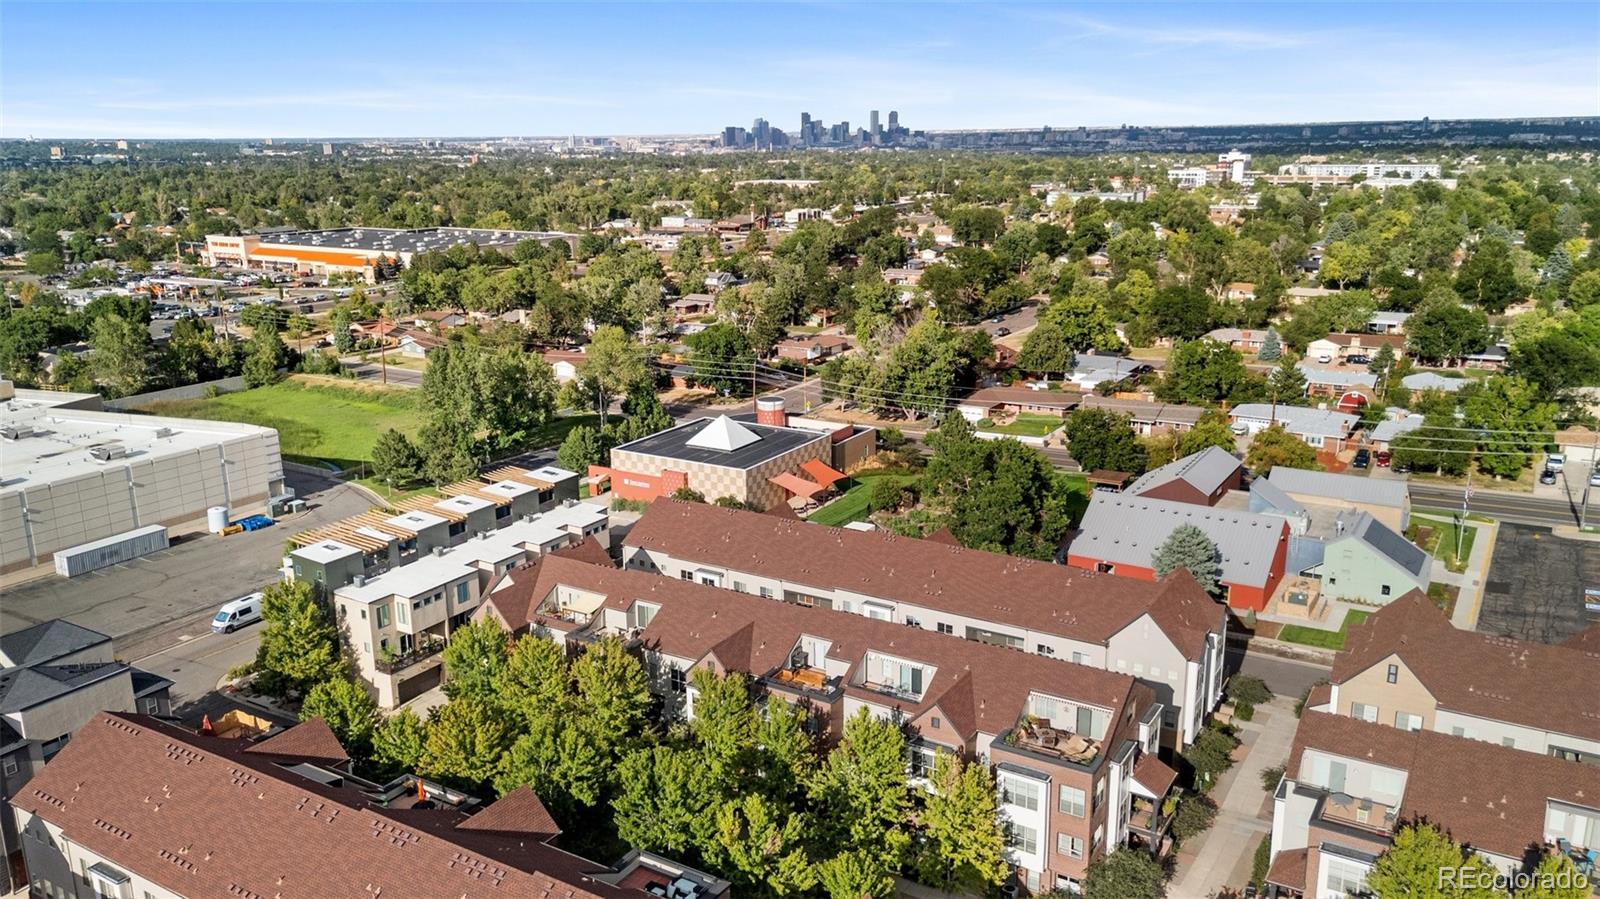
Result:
pixel 287 69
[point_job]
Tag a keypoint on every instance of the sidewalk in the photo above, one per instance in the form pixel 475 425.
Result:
pixel 1222 855
pixel 1470 582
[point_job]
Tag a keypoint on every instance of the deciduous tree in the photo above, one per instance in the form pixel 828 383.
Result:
pixel 348 709
pixel 860 793
pixel 1275 446
pixel 963 846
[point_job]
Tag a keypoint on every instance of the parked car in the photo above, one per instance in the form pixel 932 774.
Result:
pixel 237 613
pixel 1402 468
pixel 1324 358
pixel 1382 457
pixel 1594 478
pixel 1555 461
pixel 1363 457
pixel 1001 332
pixel 1548 476
pixel 1357 359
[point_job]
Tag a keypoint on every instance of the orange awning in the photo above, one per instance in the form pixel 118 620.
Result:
pixel 822 472
pixel 796 485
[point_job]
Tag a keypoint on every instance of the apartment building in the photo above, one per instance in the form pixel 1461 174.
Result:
pixel 1351 784
pixel 1169 634
pixel 1073 747
pixel 398 622
pixel 135 807
pixel 54 677
pixel 1407 667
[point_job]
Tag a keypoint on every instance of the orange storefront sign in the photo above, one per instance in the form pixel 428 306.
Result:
pixel 326 257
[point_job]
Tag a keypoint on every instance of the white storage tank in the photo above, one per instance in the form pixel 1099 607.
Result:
pixel 217 519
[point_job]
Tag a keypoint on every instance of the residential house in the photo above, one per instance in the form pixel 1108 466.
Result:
pixel 1169 634
pixel 1491 358
pixel 1338 382
pixel 1090 371
pixel 1327 430
pixel 1387 500
pixel 1342 346
pixel 1578 444
pixel 716 282
pixel 418 343
pixel 1245 340
pixel 1074 747
pixel 1366 562
pixel 564 363
pixel 693 305
pixel 1351 784
pixel 1238 291
pixel 1393 427
pixel 1388 322
pixel 1407 667
pixel 137 807
pixel 1299 295
pixel 902 277
pixel 1427 380
pixel 1201 479
pixel 397 621
pixel 989 401
pixel 812 348
pixel 1149 419
pixel 54 677
pixel 1121 532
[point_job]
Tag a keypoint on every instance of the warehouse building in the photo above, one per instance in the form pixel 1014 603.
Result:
pixel 356 250
pixel 69 476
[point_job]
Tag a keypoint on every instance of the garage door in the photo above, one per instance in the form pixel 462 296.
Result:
pixel 422 683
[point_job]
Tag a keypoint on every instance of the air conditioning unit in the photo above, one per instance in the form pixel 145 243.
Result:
pixel 16 432
pixel 107 453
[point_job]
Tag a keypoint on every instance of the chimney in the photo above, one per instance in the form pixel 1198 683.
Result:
pixel 769 411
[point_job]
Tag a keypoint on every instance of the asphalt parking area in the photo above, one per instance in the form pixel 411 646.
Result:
pixel 1535 589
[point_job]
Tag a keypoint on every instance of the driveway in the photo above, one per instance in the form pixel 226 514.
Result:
pixel 1222 856
pixel 149 603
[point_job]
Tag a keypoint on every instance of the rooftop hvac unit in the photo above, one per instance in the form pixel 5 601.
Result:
pixel 107 453
pixel 16 432
pixel 165 432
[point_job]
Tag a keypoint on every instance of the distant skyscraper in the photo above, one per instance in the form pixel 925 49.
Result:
pixel 759 131
pixel 894 121
pixel 805 128
pixel 872 129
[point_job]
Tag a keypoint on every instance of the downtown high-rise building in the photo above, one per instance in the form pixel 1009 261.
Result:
pixel 872 128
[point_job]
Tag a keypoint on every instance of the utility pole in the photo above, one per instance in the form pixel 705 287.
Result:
pixel 1461 522
pixel 1594 456
pixel 383 346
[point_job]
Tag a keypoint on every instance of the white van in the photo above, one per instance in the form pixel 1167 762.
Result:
pixel 238 613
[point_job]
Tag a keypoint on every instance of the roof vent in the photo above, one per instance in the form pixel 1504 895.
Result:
pixel 438 551
pixel 16 432
pixel 359 580
pixel 107 453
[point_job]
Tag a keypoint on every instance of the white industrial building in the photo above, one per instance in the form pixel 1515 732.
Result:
pixel 70 475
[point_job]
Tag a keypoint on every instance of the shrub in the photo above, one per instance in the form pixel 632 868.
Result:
pixel 1195 814
pixel 1243 711
pixel 1270 778
pixel 1249 689
pixel 628 505
pixel 1261 863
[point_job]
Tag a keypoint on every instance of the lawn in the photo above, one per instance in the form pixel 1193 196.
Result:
pixel 1027 424
pixel 852 506
pixel 317 423
pixel 1311 636
pixel 1441 542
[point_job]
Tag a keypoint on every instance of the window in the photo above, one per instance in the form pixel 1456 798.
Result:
pixel 1071 802
pixel 1022 838
pixel 1099 832
pixel 1070 846
pixel 461 592
pixel 766 592
pixel 678 679
pixel 1043 650
pixel 363 614
pixel 1508 742
pixel 738 587
pixel 1458 731
pixel 383 615
pixel 400 611
pixel 946 628
pixel 1385 589
pixel 1020 793
pixel 1099 794
pixel 457 528
pixel 1394 670
pixel 686 575
pixel 9 766
pixel 922 759
pixel 1080 658
pixel 1344 878
pixel 152 705
pixel 1364 712
pixel 1407 721
pixel 934 721
pixel 502 512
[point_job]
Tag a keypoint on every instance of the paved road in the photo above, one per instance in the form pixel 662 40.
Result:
pixel 1521 508
pixel 150 603
pixel 196 663
pixel 398 377
pixel 1285 677
pixel 1026 317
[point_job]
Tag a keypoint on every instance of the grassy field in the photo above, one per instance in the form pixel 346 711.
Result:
pixel 1441 543
pixel 317 423
pixel 1311 636
pixel 1027 424
pixel 852 506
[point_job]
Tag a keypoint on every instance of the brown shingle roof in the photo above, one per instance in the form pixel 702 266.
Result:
pixel 944 536
pixel 1533 684
pixel 1489 796
pixel 202 817
pixel 519 811
pixel 756 635
pixel 1289 869
pixel 311 739
pixel 1154 774
pixel 589 551
pixel 1042 596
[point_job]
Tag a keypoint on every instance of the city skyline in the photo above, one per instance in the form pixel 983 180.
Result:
pixel 427 69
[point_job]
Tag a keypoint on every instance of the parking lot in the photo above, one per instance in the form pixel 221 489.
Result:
pixel 150 603
pixel 1536 583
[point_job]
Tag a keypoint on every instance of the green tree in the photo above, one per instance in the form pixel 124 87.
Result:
pixel 724 722
pixel 348 709
pixel 1488 279
pixel 299 645
pixel 1102 439
pixel 267 355
pixel 1556 877
pixel 1274 446
pixel 1443 331
pixel 339 324
pixel 860 794
pixel 43 263
pixel 1584 291
pixel 396 460
pixel 1210 754
pixel 1082 318
pixel 1203 372
pixel 613 692
pixel 963 846
pixel 559 758
pixel 1126 873
pixel 1382 362
pixel 761 845
pixel 722 358
pixel 466 741
pixel 1418 862
pixel 1212 429
pixel 1194 816
pixel 855 875
pixel 612 365
pixel 1046 350
pixel 535 679
pixel 1514 422
pixel 580 449
pixel 1190 548
pixel 120 347
pixel 666 800
pixel 475 661
pixel 1288 382
pixel 1271 347
pixel 399 741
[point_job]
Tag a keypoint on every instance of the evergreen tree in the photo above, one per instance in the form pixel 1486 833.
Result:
pixel 1271 347
pixel 267 354
pixel 120 347
pixel 1188 547
pixel 963 846
pixel 1288 382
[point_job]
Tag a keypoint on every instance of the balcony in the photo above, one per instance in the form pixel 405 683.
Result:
pixel 894 691
pixel 396 662
pixel 1150 818
pixel 806 681
pixel 1363 814
pixel 1040 738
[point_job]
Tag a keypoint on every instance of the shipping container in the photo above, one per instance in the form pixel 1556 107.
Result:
pixel 110 551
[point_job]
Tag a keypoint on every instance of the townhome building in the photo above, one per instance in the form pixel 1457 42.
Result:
pixel 397 623
pixel 136 807
pixel 1073 747
pixel 1407 667
pixel 1170 633
pixel 1351 784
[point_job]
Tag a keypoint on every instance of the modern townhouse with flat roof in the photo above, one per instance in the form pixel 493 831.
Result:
pixel 1073 747
pixel 1169 634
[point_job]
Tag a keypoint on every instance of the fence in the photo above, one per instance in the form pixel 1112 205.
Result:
pixel 186 392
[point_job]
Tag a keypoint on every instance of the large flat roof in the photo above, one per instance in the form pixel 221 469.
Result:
pixel 59 445
pixel 404 240
pixel 673 443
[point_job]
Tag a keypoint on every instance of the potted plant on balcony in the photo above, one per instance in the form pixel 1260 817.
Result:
pixel 387 658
